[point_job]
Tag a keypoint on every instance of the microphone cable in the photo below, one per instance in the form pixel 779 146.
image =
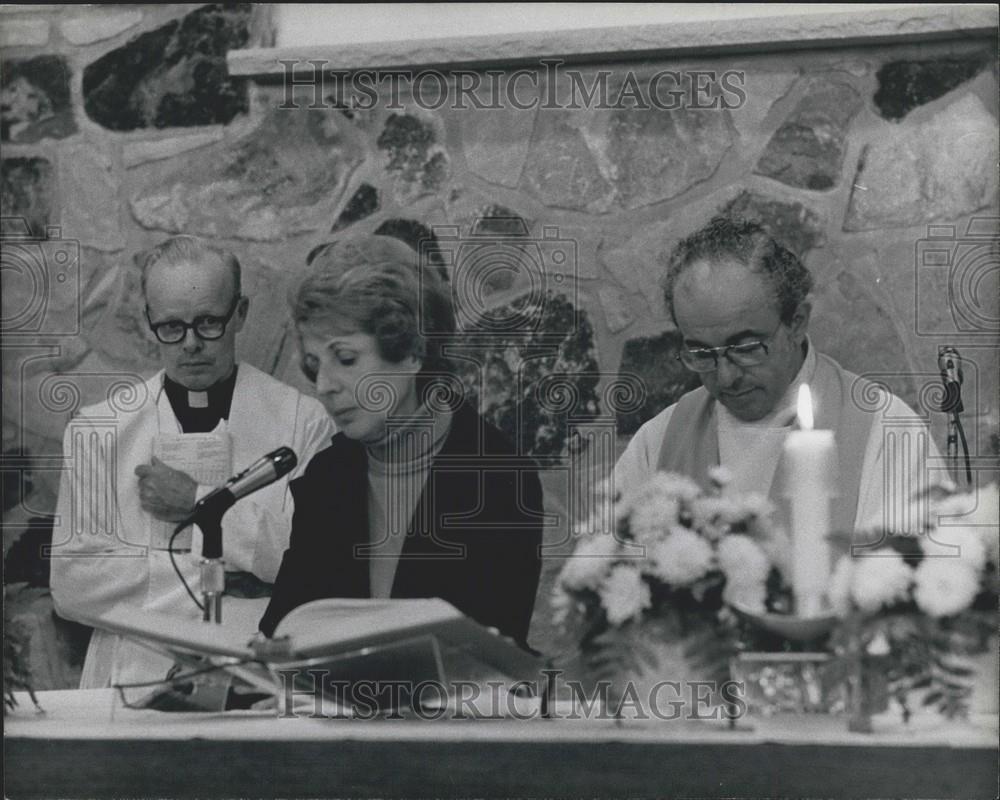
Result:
pixel 173 563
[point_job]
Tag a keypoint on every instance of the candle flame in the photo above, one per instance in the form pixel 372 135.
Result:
pixel 805 409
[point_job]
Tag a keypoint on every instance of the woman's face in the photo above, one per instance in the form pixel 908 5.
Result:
pixel 359 388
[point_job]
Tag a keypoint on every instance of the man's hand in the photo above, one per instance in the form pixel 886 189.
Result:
pixel 165 492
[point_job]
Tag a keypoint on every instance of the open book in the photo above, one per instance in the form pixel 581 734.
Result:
pixel 329 627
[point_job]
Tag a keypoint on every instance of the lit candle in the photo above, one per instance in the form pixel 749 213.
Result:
pixel 810 469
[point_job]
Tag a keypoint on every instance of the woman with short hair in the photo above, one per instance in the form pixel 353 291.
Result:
pixel 417 496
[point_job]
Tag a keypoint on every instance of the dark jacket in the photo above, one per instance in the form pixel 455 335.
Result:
pixel 479 547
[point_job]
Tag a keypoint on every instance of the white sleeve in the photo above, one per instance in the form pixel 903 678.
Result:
pixel 268 524
pixel 92 568
pixel 638 463
pixel 902 463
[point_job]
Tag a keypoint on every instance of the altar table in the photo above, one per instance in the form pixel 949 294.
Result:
pixel 87 745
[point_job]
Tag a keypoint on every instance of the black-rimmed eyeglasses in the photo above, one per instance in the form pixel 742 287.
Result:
pixel 207 326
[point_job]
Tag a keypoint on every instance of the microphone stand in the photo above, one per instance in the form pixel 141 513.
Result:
pixel 208 517
pixel 956 432
pixel 213 571
pixel 951 404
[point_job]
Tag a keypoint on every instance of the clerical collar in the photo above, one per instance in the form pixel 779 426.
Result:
pixel 200 412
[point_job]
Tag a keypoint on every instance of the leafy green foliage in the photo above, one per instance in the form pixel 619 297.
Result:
pixel 16 672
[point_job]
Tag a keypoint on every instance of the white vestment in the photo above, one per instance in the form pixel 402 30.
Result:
pixel 101 556
pixel 900 459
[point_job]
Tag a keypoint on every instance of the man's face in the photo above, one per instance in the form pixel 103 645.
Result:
pixel 183 292
pixel 722 303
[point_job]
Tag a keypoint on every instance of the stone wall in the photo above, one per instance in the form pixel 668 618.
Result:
pixel 120 125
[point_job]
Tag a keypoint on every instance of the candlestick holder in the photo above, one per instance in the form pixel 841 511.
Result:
pixel 788 626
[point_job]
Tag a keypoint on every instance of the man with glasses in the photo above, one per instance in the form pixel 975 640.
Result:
pixel 220 417
pixel 740 301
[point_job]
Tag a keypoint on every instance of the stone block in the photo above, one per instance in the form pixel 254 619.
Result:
pixel 174 76
pixel 24 33
pixel 98 26
pixel 496 141
pixel 27 189
pixel 363 203
pixel 796 226
pixel 91 209
pixel 35 99
pixel 807 151
pixel 618 310
pixel 637 258
pixel 659 154
pixel 852 321
pixel 261 339
pixel 122 336
pixel 53 389
pixel 280 180
pixel 416 160
pixel 561 168
pixel 602 160
pixel 905 85
pixel 939 169
pixel 141 152
pixel 652 362
pixel 763 90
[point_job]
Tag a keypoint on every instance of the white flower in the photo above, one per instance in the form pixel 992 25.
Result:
pixel 720 476
pixel 945 586
pixel 624 594
pixel 748 595
pixel 681 558
pixel 972 548
pixel 654 517
pixel 561 605
pixel 880 579
pixel 838 591
pixel 586 567
pixel 956 542
pixel 979 512
pixel 757 505
pixel 879 645
pixel 714 516
pixel 742 559
pixel 674 485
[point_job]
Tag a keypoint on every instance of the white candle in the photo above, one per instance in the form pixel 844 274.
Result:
pixel 810 469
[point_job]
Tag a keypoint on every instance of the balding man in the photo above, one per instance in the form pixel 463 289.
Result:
pixel 741 302
pixel 220 417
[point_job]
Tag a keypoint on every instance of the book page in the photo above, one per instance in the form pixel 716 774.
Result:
pixel 206 457
pixel 330 623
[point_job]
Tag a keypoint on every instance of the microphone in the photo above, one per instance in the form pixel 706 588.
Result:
pixel 263 472
pixel 208 511
pixel 207 515
pixel 950 366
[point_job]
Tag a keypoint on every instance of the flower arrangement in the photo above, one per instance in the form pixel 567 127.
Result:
pixel 914 605
pixel 676 556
